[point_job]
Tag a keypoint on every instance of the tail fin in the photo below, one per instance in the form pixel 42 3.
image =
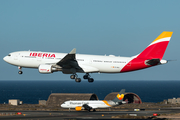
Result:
pixel 157 48
pixel 120 96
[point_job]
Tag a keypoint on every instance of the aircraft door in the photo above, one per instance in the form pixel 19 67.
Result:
pixel 90 61
pixel 129 64
pixel 16 56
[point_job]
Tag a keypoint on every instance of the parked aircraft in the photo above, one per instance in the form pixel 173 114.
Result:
pixel 94 104
pixel 72 63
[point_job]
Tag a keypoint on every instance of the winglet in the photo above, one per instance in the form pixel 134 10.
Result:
pixel 73 51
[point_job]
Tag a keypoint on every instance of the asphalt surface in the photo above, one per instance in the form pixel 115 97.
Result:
pixel 66 115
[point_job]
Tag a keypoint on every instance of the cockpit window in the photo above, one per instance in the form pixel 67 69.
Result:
pixel 9 55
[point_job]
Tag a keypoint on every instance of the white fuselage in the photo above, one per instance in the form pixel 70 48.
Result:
pixel 72 63
pixel 89 63
pixel 92 103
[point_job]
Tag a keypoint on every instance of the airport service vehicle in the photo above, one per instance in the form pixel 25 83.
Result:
pixel 72 63
pixel 94 104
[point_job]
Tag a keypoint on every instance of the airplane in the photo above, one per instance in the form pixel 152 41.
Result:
pixel 94 104
pixel 72 63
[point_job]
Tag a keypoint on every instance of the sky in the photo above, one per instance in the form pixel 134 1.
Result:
pixel 99 27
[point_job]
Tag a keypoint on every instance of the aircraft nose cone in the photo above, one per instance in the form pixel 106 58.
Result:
pixel 5 58
pixel 63 105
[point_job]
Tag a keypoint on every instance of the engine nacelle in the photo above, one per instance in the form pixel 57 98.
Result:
pixel 79 108
pixel 45 69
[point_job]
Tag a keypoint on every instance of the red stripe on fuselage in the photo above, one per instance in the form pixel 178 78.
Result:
pixel 135 64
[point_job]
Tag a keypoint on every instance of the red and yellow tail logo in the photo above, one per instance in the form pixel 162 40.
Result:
pixel 155 50
pixel 158 47
pixel 120 97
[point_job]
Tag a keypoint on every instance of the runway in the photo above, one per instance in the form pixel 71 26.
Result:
pixel 66 115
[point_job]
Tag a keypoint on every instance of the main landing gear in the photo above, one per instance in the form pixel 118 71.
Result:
pixel 75 76
pixel 86 76
pixel 20 70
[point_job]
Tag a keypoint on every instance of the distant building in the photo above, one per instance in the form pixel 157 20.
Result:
pixel 165 102
pixel 14 101
pixel 174 101
pixel 20 102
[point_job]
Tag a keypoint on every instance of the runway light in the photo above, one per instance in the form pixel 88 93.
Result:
pixel 155 114
pixel 18 113
pixel 102 115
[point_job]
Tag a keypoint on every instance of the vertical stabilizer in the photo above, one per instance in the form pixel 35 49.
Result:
pixel 157 48
pixel 151 56
pixel 120 96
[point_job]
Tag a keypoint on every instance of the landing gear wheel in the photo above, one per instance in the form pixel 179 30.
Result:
pixel 86 76
pixel 73 76
pixel 90 80
pixel 20 72
pixel 94 110
pixel 78 79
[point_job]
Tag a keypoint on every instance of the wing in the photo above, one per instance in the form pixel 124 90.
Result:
pixel 88 107
pixel 69 61
pixel 93 107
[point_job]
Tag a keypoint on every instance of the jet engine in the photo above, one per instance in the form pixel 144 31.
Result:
pixel 79 108
pixel 47 69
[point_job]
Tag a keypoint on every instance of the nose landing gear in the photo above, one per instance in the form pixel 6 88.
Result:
pixel 20 70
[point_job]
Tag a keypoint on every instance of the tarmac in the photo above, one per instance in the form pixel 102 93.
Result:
pixel 125 111
pixel 75 115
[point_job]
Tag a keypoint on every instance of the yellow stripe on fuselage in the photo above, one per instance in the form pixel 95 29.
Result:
pixel 106 102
